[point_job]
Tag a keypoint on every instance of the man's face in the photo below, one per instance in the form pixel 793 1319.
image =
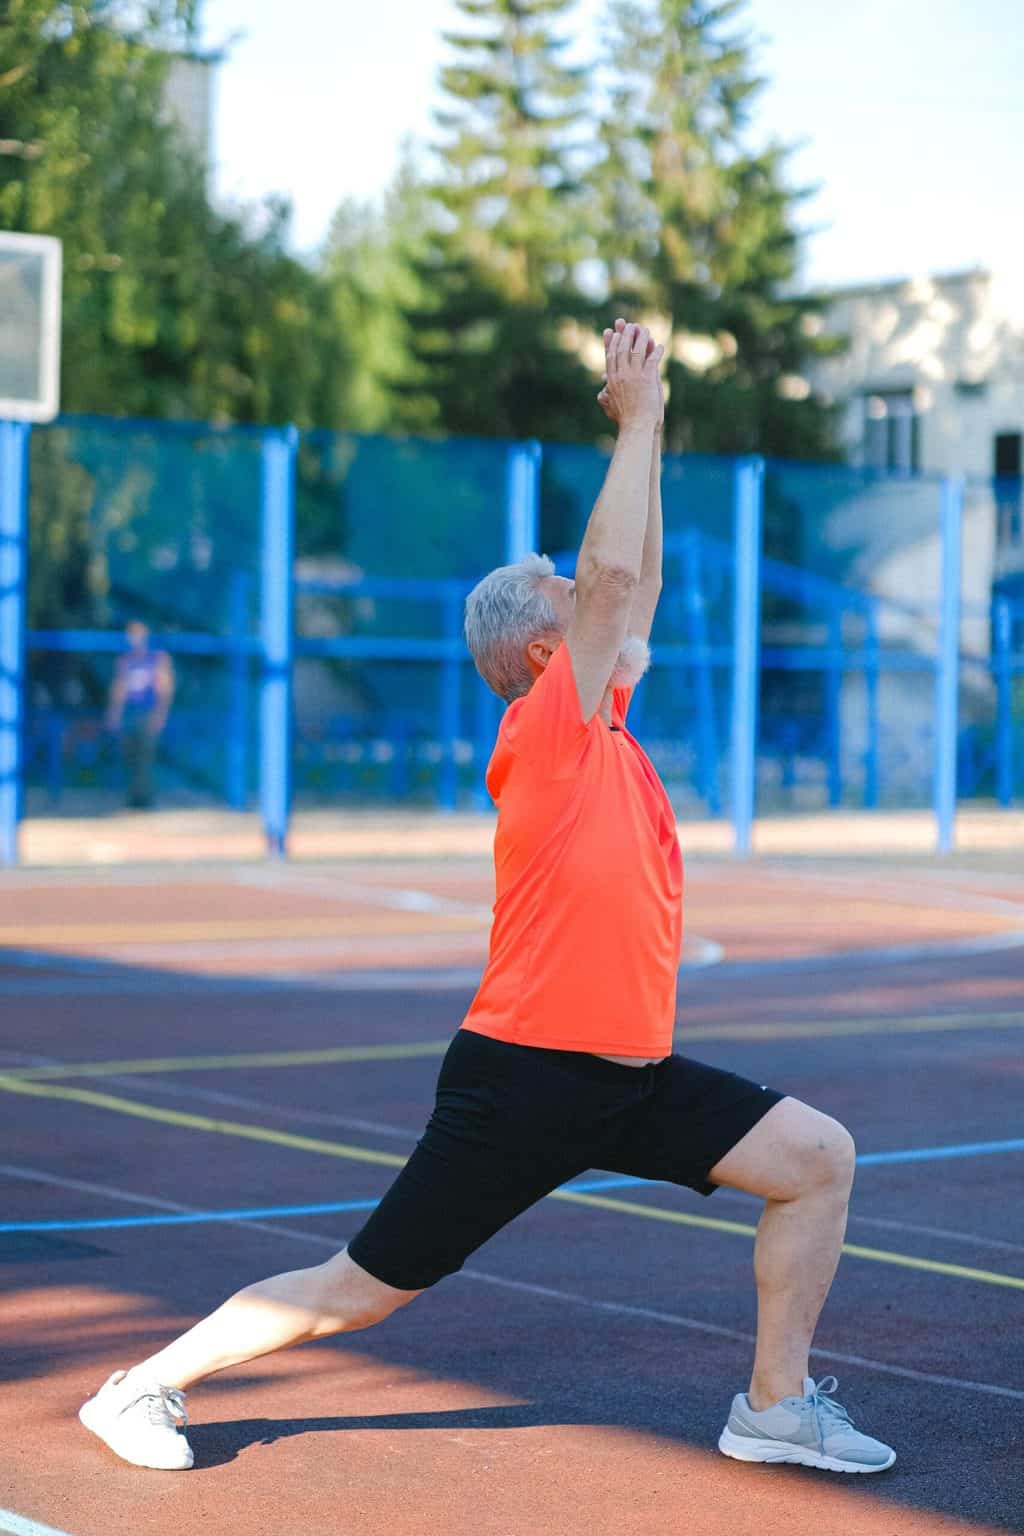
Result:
pixel 138 635
pixel 561 593
pixel 633 659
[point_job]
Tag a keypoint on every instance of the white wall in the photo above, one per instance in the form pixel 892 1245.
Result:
pixel 188 100
pixel 928 335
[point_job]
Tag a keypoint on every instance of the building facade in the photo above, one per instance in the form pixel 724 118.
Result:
pixel 188 99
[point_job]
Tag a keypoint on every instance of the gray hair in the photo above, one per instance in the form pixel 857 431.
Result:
pixel 504 612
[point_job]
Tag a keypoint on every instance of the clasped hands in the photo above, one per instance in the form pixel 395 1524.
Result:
pixel 632 394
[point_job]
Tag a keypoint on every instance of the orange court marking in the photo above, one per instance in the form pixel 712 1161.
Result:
pixel 268 919
pixel 52 936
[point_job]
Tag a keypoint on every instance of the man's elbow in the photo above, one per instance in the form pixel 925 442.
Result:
pixel 607 580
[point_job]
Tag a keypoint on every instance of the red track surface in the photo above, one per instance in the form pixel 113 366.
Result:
pixel 492 1405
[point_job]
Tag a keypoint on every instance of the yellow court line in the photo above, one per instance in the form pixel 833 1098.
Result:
pixel 835 1029
pixel 9 1084
pixel 345 1150
pixel 51 937
pixel 147 1065
pixel 879 1255
pixel 242 1060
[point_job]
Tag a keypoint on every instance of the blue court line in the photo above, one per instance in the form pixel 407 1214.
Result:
pixel 186 1218
pixel 264 1212
pixel 864 1160
pixel 927 1154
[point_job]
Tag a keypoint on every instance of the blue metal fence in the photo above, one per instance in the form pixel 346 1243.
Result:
pixel 813 646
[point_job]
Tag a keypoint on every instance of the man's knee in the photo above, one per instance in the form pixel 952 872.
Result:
pixel 825 1155
pixel 350 1297
pixel 831 1156
pixel 793 1151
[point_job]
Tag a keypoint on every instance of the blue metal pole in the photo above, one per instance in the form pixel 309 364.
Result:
pixel 697 633
pixel 277 498
pixel 1003 626
pixel 871 670
pixel 486 730
pixel 522 500
pixel 833 702
pixel 238 727
pixel 450 711
pixel 748 508
pixel 947 675
pixel 14 437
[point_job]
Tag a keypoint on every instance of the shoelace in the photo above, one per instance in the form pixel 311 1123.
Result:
pixel 165 1406
pixel 825 1407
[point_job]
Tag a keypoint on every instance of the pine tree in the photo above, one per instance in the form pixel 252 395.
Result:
pixel 498 342
pixel 699 230
pixel 368 267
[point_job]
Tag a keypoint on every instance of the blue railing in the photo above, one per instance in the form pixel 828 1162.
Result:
pixel 794 672
pixel 440 754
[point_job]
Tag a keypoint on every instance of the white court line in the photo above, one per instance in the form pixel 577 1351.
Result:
pixel 17 1525
pixel 615 1308
pixel 698 952
pixel 302 1116
pixel 951 896
pixel 395 898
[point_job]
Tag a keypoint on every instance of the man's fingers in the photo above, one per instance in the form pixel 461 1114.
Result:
pixel 617 349
pixel 639 348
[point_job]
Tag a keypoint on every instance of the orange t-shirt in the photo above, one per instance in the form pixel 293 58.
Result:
pixel 589 875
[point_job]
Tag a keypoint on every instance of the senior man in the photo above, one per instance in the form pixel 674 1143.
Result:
pixel 564 1061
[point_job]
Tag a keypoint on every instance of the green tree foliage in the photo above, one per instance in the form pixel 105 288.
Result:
pixel 497 341
pixel 699 229
pixel 170 307
pixel 369 267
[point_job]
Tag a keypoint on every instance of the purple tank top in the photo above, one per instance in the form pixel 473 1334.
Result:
pixel 137 671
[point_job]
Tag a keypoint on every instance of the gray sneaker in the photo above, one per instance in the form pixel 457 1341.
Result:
pixel 813 1430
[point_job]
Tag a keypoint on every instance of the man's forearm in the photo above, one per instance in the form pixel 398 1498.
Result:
pixel 645 598
pixel 650 569
pixel 615 536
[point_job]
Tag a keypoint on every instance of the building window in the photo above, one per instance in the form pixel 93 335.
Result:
pixel 1008 466
pixel 891 432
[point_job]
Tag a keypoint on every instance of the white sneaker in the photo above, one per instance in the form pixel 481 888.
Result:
pixel 140 1421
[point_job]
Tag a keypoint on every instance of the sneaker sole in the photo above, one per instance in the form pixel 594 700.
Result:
pixel 86 1417
pixel 745 1448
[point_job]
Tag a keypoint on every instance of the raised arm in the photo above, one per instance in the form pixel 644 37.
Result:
pixel 611 558
pixel 645 599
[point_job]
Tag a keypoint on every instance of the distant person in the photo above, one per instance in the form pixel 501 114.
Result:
pixel 564 1061
pixel 140 701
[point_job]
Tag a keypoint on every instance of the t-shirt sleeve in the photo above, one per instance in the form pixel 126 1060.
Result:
pixel 620 704
pixel 546 728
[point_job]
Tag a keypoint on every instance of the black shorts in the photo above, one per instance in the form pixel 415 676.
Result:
pixel 513 1122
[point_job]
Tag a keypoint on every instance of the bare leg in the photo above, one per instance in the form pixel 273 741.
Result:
pixel 802 1163
pixel 334 1297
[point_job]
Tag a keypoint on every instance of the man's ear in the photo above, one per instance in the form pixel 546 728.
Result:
pixel 540 653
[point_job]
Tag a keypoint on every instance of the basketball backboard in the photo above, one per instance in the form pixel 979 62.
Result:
pixel 30 270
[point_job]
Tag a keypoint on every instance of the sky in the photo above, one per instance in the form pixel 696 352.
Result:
pixel 908 116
